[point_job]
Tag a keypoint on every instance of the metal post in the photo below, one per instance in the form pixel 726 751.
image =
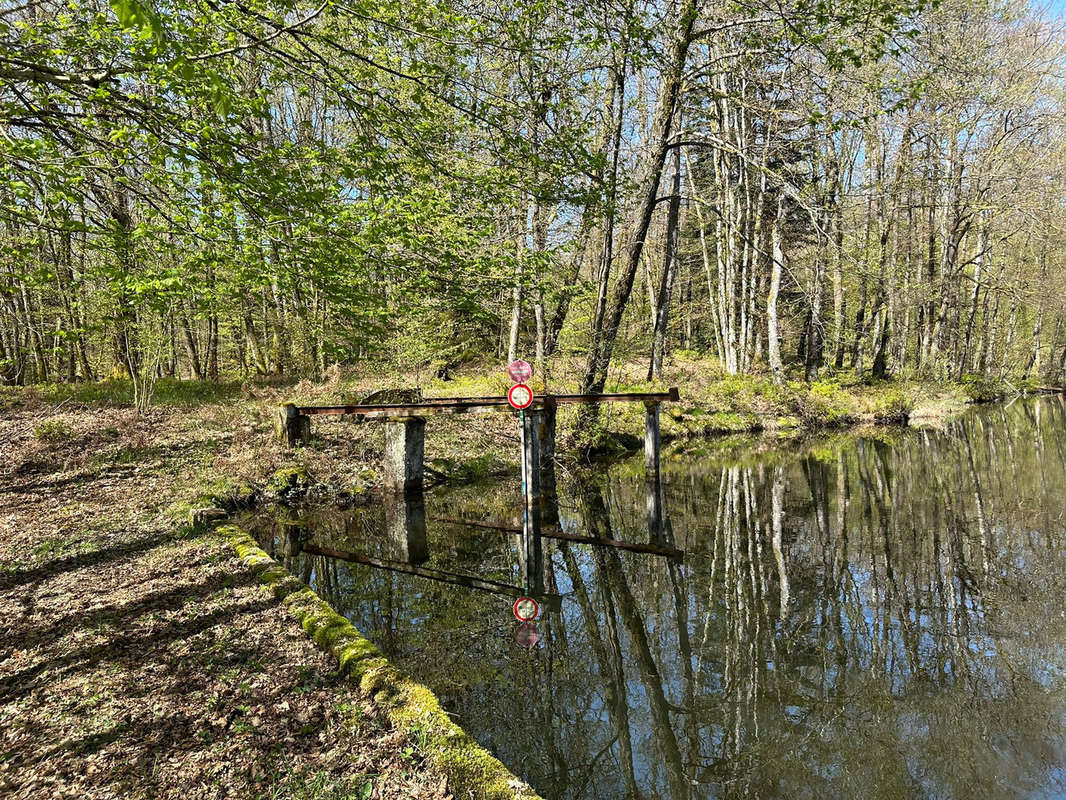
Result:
pixel 531 556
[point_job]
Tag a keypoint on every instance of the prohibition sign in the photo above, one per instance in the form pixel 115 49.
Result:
pixel 526 609
pixel 519 371
pixel 520 396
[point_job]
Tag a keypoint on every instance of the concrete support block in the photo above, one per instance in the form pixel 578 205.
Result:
pixel 652 479
pixel 546 458
pixel 292 427
pixel 405 528
pixel 531 551
pixel 405 446
pixel 651 440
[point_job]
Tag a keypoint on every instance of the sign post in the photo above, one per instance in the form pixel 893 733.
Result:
pixel 520 396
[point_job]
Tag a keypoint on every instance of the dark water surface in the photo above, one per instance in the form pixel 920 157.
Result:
pixel 852 617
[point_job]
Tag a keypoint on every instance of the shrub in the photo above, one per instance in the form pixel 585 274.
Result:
pixel 54 430
pixel 893 404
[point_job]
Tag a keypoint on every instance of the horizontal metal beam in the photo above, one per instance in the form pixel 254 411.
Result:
pixel 559 533
pixel 550 601
pixel 467 405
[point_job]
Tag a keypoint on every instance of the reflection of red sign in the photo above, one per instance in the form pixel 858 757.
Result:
pixel 527 635
pixel 520 371
pixel 520 396
pixel 526 608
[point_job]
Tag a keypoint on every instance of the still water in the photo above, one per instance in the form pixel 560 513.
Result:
pixel 851 616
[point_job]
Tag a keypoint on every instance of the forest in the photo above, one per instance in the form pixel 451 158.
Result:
pixel 197 189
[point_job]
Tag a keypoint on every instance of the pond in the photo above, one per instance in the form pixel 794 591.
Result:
pixel 852 615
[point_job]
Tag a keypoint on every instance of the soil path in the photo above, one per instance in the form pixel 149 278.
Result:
pixel 138 659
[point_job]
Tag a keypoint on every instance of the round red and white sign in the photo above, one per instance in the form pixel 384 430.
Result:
pixel 520 371
pixel 526 609
pixel 520 396
pixel 527 635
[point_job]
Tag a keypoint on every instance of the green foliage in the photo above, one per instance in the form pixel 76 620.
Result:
pixel 825 403
pixel 321 785
pixel 54 430
pixel 982 389
pixel 893 405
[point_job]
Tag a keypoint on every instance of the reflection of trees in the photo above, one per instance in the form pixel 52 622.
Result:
pixel 866 619
pixel 862 630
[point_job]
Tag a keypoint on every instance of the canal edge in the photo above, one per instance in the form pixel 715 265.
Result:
pixel 471 770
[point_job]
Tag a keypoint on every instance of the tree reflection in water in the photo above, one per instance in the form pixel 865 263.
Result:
pixel 857 617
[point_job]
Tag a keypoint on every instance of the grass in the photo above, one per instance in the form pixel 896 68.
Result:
pixel 169 392
pixel 54 430
pixel 323 786
pixel 57 546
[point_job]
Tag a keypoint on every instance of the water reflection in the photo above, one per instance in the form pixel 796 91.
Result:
pixel 862 617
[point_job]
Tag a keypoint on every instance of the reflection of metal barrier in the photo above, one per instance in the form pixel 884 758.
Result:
pixel 546 599
pixel 405 426
pixel 556 533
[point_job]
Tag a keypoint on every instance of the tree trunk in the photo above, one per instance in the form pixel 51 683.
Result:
pixel 670 264
pixel 191 349
pixel 777 257
pixel 605 334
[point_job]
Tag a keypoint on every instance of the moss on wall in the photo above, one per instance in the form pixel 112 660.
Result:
pixel 472 771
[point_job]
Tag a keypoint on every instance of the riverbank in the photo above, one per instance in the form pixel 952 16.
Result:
pixel 345 460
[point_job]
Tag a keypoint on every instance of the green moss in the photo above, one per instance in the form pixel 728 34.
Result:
pixel 981 389
pixel 242 495
pixel 414 710
pixel 468 470
pixel 288 479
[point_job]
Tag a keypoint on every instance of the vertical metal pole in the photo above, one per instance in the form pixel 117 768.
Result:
pixel 522 445
pixel 531 553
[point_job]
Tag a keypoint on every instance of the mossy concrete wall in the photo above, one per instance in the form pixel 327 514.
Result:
pixel 472 772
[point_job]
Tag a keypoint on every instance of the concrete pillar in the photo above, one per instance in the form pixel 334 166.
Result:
pixel 290 539
pixel 291 426
pixel 405 445
pixel 546 436
pixel 651 440
pixel 405 528
pixel 531 561
pixel 654 500
pixel 652 480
